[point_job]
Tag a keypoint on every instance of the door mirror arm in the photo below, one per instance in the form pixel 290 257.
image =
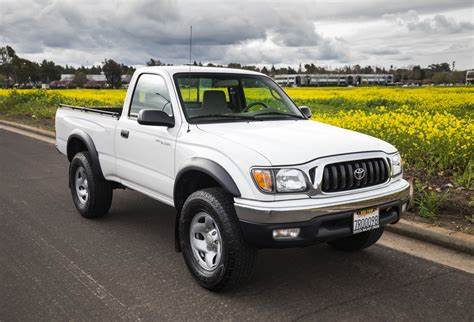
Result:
pixel 306 111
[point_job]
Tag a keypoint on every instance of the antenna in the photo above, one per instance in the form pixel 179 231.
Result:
pixel 190 44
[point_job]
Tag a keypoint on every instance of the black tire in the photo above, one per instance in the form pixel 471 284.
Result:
pixel 99 198
pixel 238 258
pixel 358 241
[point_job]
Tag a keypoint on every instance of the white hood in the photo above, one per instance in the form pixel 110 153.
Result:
pixel 295 142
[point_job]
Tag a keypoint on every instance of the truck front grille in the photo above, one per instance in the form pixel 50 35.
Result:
pixel 356 174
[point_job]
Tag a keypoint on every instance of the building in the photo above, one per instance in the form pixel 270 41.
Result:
pixel 67 77
pixel 333 79
pixel 92 81
pixel 96 81
pixel 470 77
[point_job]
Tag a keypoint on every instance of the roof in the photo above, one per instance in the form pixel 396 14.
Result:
pixel 67 77
pixel 197 69
pixel 96 77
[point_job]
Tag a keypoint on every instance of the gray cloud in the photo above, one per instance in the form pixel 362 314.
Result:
pixel 439 23
pixel 383 51
pixel 251 32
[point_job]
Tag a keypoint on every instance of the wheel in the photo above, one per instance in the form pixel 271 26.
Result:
pixel 212 243
pixel 358 241
pixel 92 195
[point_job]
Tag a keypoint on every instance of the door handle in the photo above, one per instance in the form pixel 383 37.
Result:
pixel 124 133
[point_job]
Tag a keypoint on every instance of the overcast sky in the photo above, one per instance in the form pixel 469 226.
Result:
pixel 327 32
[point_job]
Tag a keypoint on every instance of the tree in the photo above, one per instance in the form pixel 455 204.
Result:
pixel 25 71
pixel 417 73
pixel 251 67
pixel 440 78
pixel 80 79
pixel 458 77
pixel 443 67
pixel 3 81
pixel 94 70
pixel 273 70
pixel 234 65
pixel 113 73
pixel 154 62
pixel 127 70
pixel 7 54
pixel 310 68
pixel 49 71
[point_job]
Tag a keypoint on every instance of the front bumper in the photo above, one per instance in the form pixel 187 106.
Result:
pixel 319 219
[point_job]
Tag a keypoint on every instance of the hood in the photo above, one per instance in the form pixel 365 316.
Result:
pixel 295 142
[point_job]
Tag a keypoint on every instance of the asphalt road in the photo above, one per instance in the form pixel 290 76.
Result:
pixel 55 265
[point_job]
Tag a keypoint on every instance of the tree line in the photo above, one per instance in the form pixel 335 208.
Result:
pixel 17 71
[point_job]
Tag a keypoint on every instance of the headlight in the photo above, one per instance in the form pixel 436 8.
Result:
pixel 290 180
pixel 396 164
pixel 279 180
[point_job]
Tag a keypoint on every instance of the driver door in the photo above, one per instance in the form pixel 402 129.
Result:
pixel 145 154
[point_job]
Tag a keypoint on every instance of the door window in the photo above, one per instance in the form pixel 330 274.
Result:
pixel 150 93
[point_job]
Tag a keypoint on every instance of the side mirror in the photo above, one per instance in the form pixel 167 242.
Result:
pixel 306 111
pixel 155 117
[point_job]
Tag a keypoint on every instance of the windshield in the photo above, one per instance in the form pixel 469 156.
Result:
pixel 218 97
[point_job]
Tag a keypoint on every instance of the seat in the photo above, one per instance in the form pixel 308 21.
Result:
pixel 214 102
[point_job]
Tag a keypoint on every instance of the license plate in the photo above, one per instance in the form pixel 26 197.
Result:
pixel 366 219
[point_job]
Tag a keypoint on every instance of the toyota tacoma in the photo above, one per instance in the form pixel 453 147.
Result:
pixel 244 167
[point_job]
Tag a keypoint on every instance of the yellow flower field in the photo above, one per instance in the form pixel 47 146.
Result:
pixel 432 126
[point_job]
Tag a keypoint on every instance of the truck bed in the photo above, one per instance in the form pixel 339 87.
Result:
pixel 105 110
pixel 98 123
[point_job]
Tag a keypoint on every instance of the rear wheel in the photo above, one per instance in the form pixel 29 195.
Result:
pixel 92 195
pixel 211 241
pixel 358 241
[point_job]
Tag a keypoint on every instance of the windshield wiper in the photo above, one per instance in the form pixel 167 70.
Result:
pixel 233 116
pixel 280 113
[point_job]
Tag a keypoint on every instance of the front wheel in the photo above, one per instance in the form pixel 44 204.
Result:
pixel 211 241
pixel 358 241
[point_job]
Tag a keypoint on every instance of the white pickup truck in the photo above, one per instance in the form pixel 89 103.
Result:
pixel 243 166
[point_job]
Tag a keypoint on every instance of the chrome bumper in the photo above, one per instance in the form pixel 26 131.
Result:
pixel 292 211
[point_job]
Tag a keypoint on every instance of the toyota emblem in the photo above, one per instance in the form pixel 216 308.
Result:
pixel 359 173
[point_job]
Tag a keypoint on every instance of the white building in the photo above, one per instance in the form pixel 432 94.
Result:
pixel 470 77
pixel 97 77
pixel 67 77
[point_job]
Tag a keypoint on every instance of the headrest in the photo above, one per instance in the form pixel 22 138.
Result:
pixel 214 101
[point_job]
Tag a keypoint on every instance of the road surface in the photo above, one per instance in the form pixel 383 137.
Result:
pixel 56 265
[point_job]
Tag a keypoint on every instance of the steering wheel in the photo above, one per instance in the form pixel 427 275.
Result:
pixel 255 104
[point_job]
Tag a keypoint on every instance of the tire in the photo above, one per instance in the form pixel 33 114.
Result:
pixel 234 266
pixel 92 194
pixel 358 241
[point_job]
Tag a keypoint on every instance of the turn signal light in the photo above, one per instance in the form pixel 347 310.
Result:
pixel 263 178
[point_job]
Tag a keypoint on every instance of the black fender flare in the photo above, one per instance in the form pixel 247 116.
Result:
pixel 212 169
pixel 90 146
